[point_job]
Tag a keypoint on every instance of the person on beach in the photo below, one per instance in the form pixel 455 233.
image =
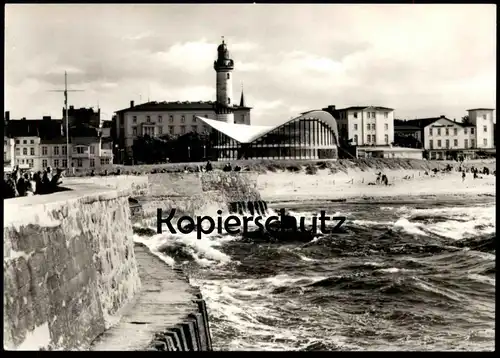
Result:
pixel 47 177
pixel 208 167
pixel 463 176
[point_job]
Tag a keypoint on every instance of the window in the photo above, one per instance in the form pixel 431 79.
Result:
pixel 466 143
pixel 44 150
pixel 465 130
pixel 355 139
pixel 32 151
pixel 104 161
pixel 455 131
pixel 431 145
pixel 160 130
pixel 64 163
pixel 79 162
pixel 373 114
pixel 134 130
pixel 56 150
pixel 18 151
pixel 194 128
pixel 386 114
pixel 355 114
pixel 171 119
pixel 171 129
pixel 92 162
pixel 485 142
pixel 17 141
pixel 447 143
pixel 31 163
pixel 386 127
pixel 183 129
pixel 368 115
pixel 439 131
pixel 44 163
pixel 4 155
pixel 25 141
pixel 194 118
pixel 430 131
pixel 472 130
pixel 160 118
pixel 472 143
pixel 368 126
pixel 228 76
pixel 368 138
pixel 485 128
pixel 25 151
pixel 484 116
pixel 373 126
pixel 56 163
pixel 134 119
pixel 183 119
pixel 92 149
pixel 242 118
pixel 148 119
pixel 455 142
pixel 439 143
pixel 355 127
pixel 32 141
pixel 447 131
pixel 374 138
pixel 386 139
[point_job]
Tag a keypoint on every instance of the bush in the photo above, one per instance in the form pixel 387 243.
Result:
pixel 293 168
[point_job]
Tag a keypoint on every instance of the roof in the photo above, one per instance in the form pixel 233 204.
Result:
pixel 175 106
pixel 44 128
pixel 360 108
pixel 247 133
pixel 481 109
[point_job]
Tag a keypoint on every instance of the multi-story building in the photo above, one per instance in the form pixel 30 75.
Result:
pixel 364 126
pixel 482 119
pixel 177 118
pixel 41 143
pixel 443 138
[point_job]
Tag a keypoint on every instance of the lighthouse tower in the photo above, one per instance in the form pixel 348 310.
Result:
pixel 224 67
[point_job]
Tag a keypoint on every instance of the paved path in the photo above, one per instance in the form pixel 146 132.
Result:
pixel 166 298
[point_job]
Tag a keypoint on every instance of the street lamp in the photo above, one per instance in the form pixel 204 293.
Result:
pixel 204 151
pixel 189 153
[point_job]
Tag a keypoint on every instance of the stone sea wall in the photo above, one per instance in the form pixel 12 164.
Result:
pixel 69 267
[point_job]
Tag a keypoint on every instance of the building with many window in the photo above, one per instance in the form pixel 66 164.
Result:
pixel 177 118
pixel 363 127
pixel 313 135
pixel 41 143
pixel 443 138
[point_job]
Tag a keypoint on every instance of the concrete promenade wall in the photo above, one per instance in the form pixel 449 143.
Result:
pixel 69 267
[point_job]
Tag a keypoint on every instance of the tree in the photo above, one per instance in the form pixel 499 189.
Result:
pixel 466 120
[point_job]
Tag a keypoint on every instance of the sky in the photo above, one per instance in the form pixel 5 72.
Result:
pixel 421 60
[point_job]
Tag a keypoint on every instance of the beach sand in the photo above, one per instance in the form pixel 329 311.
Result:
pixel 286 186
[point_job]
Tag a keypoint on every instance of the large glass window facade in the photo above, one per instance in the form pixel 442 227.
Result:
pixel 300 139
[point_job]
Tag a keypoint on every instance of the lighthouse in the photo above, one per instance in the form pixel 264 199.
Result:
pixel 224 66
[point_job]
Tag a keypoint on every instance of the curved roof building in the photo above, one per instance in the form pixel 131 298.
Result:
pixel 313 135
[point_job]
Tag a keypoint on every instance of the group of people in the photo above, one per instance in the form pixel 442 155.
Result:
pixel 228 168
pixel 26 184
pixel 382 179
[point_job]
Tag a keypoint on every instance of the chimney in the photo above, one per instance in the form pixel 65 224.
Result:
pixel 23 119
pixel 442 116
pixel 7 115
pixel 46 118
pixel 71 107
pixel 131 104
pixel 331 107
